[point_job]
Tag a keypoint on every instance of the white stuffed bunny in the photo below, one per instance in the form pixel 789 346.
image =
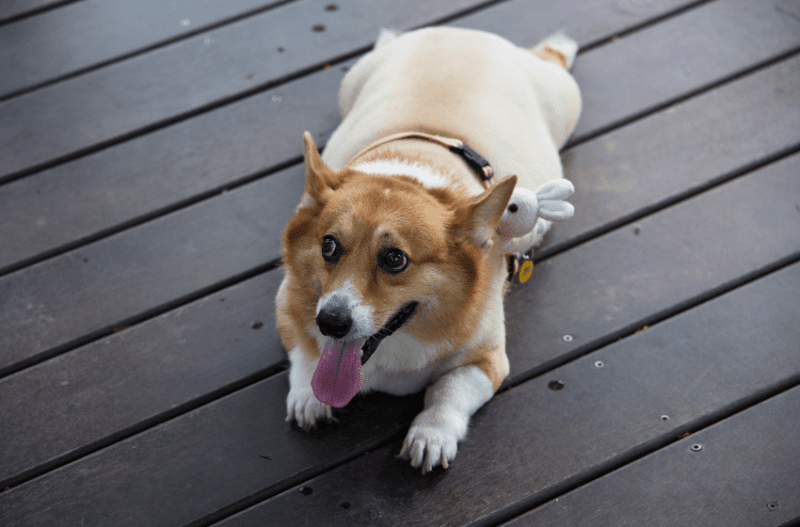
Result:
pixel 518 226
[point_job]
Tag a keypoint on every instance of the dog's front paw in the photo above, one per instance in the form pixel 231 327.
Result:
pixel 433 440
pixel 303 406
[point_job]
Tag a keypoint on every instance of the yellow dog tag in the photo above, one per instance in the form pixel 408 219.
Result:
pixel 525 271
pixel 519 269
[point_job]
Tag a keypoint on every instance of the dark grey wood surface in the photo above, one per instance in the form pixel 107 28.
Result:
pixel 176 165
pixel 531 443
pixel 68 435
pixel 153 89
pixel 11 10
pixel 142 381
pixel 745 462
pixel 604 313
pixel 89 33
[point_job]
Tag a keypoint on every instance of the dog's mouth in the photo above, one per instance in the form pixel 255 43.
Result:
pixel 337 378
pixel 397 321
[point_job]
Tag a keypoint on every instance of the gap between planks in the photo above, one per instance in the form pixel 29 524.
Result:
pixel 35 11
pixel 545 253
pixel 542 256
pixel 598 471
pixel 535 373
pixel 335 61
pixel 139 318
pixel 143 50
pixel 716 182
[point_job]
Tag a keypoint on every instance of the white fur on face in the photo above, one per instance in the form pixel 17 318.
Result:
pixel 362 314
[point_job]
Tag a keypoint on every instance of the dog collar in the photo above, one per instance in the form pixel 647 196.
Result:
pixel 476 162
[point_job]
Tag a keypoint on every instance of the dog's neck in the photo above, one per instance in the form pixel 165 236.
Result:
pixel 430 163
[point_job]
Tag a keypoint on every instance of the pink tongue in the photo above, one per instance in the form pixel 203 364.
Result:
pixel 338 376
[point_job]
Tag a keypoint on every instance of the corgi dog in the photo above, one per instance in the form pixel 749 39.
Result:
pixel 394 269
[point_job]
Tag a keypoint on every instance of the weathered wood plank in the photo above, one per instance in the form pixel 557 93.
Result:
pixel 58 409
pixel 87 292
pixel 113 111
pixel 83 112
pixel 745 475
pixel 616 283
pixel 118 354
pixel 176 489
pixel 627 170
pixel 47 326
pixel 681 149
pixel 88 33
pixel 530 443
pixel 705 45
pixel 225 437
pixel 160 170
pixel 14 9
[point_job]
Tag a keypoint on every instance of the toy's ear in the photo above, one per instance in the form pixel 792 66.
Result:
pixel 477 221
pixel 318 175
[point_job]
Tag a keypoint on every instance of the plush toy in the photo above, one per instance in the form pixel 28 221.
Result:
pixel 520 222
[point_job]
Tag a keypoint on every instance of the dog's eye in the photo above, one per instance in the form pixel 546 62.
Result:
pixel 393 260
pixel 331 248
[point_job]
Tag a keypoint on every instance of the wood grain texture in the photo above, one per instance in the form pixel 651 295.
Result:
pixel 90 291
pixel 111 386
pixel 215 446
pixel 681 149
pixel 158 171
pixel 531 442
pixel 703 46
pixel 91 32
pixel 616 283
pixel 14 9
pixel 47 212
pixel 744 476
pixel 535 303
pixel 130 96
pixel 175 473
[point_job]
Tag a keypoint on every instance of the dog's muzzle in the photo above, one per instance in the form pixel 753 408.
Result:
pixel 397 321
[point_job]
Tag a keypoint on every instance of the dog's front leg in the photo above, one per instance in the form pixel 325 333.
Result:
pixel 449 403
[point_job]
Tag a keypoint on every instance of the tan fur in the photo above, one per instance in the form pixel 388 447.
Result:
pixel 448 269
pixel 514 106
pixel 551 55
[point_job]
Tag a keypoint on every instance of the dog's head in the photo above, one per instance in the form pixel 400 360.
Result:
pixel 364 253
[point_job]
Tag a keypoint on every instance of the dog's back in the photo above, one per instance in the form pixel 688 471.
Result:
pixel 508 103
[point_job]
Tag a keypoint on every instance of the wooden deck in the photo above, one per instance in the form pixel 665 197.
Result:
pixel 150 155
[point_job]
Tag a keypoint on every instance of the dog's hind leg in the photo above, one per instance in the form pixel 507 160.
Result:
pixel 557 48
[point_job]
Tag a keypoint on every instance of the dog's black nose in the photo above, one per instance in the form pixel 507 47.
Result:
pixel 334 323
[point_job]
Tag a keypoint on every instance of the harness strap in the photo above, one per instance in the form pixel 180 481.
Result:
pixel 476 162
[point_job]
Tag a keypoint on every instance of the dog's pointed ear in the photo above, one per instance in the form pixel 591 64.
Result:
pixel 317 174
pixel 478 220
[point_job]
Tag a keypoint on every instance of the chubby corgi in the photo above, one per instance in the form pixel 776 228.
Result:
pixel 396 260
